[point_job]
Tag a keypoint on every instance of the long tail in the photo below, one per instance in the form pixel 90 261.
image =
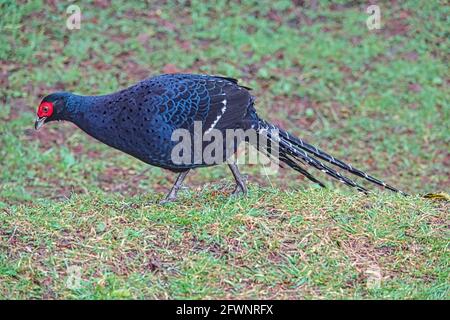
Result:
pixel 293 150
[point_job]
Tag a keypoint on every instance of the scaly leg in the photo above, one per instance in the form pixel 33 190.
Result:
pixel 240 183
pixel 172 195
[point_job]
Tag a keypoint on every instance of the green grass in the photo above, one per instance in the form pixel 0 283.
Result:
pixel 377 99
pixel 271 245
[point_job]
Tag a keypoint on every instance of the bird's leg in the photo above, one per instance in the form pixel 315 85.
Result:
pixel 240 183
pixel 172 195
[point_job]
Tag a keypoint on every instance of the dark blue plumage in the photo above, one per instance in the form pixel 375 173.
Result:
pixel 140 121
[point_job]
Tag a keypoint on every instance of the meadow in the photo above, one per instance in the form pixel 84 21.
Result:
pixel 80 220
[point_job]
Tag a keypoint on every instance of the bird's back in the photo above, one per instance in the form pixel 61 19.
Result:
pixel 141 119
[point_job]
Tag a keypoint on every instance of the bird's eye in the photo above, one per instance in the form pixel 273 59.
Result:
pixel 45 109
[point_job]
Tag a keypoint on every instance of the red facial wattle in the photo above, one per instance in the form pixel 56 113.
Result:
pixel 45 109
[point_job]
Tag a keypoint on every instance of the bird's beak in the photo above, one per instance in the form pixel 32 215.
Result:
pixel 39 122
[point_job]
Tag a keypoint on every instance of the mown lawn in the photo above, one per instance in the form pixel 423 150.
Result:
pixel 315 244
pixel 377 99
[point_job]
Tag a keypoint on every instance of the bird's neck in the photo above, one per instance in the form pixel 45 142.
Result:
pixel 78 107
pixel 81 111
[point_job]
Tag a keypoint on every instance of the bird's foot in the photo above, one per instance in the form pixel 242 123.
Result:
pixel 239 191
pixel 168 200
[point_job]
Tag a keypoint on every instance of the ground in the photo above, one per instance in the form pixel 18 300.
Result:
pixel 70 206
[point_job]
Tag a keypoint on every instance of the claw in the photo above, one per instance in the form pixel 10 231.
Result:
pixel 167 200
pixel 238 191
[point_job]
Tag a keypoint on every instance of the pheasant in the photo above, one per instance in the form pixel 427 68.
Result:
pixel 142 119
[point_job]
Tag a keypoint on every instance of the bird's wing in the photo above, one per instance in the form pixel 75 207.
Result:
pixel 216 102
pixel 226 107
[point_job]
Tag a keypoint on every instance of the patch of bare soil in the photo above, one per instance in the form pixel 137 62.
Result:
pixel 123 180
pixel 50 136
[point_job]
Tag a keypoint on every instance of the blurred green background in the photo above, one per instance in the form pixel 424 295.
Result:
pixel 377 99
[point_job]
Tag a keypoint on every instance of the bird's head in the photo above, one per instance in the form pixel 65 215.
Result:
pixel 52 107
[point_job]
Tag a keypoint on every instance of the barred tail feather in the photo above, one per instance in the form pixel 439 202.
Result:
pixel 284 157
pixel 320 166
pixel 299 148
pixel 296 167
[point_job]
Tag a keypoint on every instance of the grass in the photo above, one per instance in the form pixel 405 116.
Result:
pixel 377 99
pixel 271 245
